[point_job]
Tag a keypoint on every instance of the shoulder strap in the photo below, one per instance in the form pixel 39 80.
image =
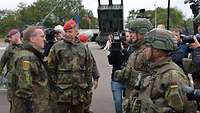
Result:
pixel 169 66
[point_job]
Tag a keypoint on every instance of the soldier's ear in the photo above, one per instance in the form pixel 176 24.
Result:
pixel 31 40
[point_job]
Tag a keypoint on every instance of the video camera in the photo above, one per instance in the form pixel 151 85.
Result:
pixel 118 38
pixel 50 34
pixel 50 40
pixel 189 39
pixel 194 6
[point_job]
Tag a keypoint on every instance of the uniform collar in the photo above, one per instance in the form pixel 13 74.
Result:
pixel 138 44
pixel 160 63
pixel 32 46
pixel 71 42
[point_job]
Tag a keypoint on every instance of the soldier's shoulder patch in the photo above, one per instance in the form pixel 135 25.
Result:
pixel 26 64
pixel 173 86
pixel 49 60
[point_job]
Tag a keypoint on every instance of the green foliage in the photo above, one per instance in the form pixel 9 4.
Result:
pixel 36 12
pixel 176 17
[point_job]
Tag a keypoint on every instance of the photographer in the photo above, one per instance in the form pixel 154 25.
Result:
pixel 53 36
pixel 120 50
pixel 196 45
pixel 182 48
pixel 127 45
pixel 59 35
pixel 192 65
pixel 195 62
pixel 50 40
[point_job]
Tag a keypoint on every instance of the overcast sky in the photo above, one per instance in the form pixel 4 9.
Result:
pixel 128 5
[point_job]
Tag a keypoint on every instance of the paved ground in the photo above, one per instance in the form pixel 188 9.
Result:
pixel 4 105
pixel 102 99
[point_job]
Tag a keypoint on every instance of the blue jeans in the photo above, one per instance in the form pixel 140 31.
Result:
pixel 117 91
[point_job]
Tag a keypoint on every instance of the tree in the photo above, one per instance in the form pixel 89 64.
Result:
pixel 176 17
pixel 38 11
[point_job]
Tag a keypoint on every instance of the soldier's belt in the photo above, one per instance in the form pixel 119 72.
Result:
pixel 74 72
pixel 71 68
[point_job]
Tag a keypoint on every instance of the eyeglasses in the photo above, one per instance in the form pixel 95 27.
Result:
pixel 9 36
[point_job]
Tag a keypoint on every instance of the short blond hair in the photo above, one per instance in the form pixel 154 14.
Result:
pixel 29 31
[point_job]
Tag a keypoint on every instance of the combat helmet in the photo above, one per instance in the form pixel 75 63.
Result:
pixel 161 39
pixel 140 25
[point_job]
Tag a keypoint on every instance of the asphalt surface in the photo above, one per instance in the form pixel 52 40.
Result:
pixel 102 96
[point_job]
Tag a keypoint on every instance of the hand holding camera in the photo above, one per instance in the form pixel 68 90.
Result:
pixel 196 43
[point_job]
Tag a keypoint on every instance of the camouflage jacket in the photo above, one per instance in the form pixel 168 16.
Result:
pixel 162 91
pixel 8 58
pixel 71 66
pixel 136 62
pixel 30 76
pixel 95 72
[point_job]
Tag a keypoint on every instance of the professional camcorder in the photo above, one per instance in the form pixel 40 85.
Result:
pixel 118 38
pixel 189 39
pixel 50 40
pixel 50 34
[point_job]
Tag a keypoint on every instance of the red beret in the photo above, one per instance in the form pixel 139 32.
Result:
pixel 83 38
pixel 12 32
pixel 69 24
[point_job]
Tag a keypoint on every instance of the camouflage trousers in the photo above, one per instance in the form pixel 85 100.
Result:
pixel 38 104
pixel 20 105
pixel 64 107
pixel 41 100
pixel 88 103
pixel 53 102
pixel 129 101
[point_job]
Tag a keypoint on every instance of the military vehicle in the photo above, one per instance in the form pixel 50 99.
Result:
pixel 110 18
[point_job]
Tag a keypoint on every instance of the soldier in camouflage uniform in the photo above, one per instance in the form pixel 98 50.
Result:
pixel 71 65
pixel 7 59
pixel 161 91
pixel 136 60
pixel 30 76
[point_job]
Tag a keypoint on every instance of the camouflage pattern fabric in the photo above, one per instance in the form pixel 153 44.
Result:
pixel 71 66
pixel 161 39
pixel 31 83
pixel 140 25
pixel 136 61
pixel 68 108
pixel 161 92
pixel 95 76
pixel 7 60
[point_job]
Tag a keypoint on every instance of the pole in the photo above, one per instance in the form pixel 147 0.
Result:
pixel 47 16
pixel 110 2
pixel 168 14
pixel 155 14
pixel 99 2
